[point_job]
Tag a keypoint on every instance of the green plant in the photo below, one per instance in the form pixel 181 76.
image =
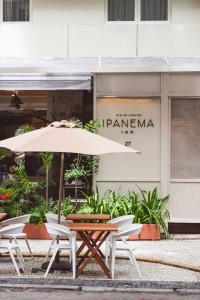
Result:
pixel 38 212
pixel 67 207
pixel 22 184
pixel 84 165
pixel 147 206
pixel 74 172
pixel 4 153
pixel 23 129
pixel 36 219
pixel 154 210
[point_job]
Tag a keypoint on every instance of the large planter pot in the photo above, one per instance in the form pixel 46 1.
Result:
pixel 148 232
pixel 36 232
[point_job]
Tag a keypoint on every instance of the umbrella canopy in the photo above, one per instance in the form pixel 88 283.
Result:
pixel 63 137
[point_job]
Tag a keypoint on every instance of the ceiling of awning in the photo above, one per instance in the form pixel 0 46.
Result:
pixel 99 64
pixel 37 81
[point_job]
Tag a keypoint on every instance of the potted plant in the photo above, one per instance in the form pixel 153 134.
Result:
pixel 36 228
pixel 147 206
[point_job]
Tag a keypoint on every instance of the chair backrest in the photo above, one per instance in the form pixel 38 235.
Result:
pixel 123 220
pixel 58 230
pixel 17 220
pixel 127 230
pixel 53 218
pixel 12 229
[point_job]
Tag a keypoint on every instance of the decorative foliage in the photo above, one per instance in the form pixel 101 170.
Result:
pixel 23 129
pixel 4 153
pixel 22 183
pixel 75 171
pixel 147 206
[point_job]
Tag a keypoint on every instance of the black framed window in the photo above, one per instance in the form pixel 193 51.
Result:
pixel 154 10
pixel 16 10
pixel 121 10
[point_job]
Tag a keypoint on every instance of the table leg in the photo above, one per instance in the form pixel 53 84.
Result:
pixel 83 245
pixel 93 249
pixel 93 242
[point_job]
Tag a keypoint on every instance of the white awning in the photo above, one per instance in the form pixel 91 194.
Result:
pixel 37 81
pixel 82 65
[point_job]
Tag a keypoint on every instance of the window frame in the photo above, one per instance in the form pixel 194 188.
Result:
pixel 154 21
pixel 121 22
pixel 138 15
pixel 16 22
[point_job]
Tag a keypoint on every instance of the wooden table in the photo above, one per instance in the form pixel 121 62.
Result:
pixel 2 216
pixel 87 231
pixel 83 217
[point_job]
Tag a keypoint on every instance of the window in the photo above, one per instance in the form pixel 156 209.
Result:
pixel 16 10
pixel 185 139
pixel 121 10
pixel 154 10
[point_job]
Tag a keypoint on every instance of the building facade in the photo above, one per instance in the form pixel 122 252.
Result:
pixel 152 104
pixel 67 28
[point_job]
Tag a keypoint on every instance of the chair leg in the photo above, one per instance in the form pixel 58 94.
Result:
pixel 49 250
pixel 107 250
pixel 73 252
pixel 28 246
pixel 20 253
pixel 134 261
pixel 113 252
pixel 14 261
pixel 19 256
pixel 51 262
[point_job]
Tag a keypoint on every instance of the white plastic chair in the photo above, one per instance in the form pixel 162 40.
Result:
pixel 53 218
pixel 120 221
pixel 59 230
pixel 123 233
pixel 13 246
pixel 123 220
pixel 17 220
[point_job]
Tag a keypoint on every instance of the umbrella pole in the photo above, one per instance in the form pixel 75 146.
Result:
pixel 62 159
pixel 58 265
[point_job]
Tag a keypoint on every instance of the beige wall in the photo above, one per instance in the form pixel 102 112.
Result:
pixel 79 28
pixel 184 204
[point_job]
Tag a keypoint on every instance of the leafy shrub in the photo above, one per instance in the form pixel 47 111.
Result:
pixel 36 218
pixel 147 206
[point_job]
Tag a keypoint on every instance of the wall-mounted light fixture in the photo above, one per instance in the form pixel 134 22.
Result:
pixel 15 101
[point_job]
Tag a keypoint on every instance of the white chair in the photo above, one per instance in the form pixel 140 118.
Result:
pixel 123 233
pixel 59 230
pixel 53 218
pixel 13 246
pixel 123 220
pixel 17 220
pixel 120 221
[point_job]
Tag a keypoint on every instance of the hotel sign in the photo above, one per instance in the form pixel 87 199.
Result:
pixel 127 123
pixel 134 123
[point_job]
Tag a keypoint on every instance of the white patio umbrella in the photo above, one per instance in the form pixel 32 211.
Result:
pixel 63 137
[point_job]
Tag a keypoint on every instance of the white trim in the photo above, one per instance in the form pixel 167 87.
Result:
pixel 185 180
pixel 184 221
pixel 129 95
pixel 94 181
pixel 164 141
pixel 103 179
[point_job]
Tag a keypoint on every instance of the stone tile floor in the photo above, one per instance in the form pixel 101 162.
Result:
pixel 178 250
